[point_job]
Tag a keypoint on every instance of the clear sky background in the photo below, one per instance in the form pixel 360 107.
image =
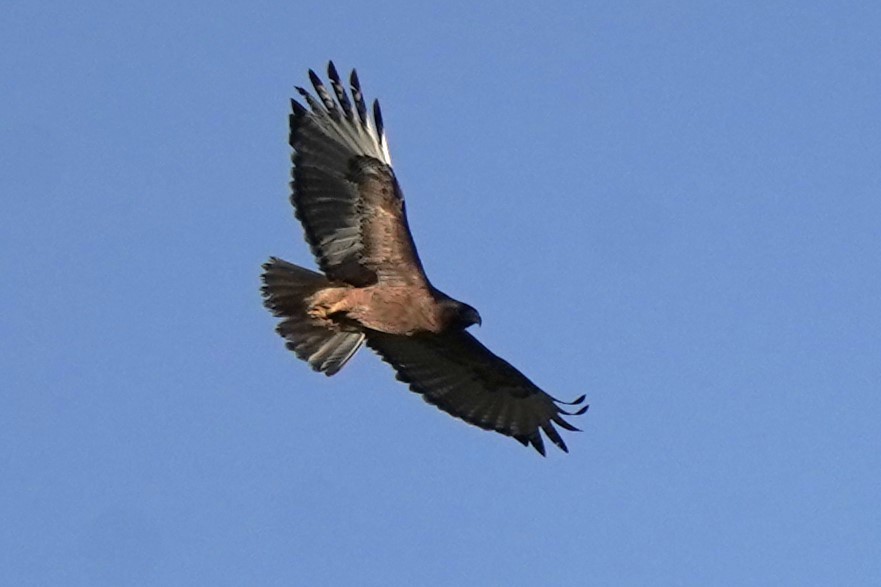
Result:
pixel 673 209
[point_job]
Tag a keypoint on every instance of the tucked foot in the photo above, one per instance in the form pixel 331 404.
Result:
pixel 322 312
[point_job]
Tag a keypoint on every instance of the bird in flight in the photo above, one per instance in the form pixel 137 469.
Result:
pixel 372 288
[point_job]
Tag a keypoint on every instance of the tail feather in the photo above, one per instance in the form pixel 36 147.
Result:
pixel 286 287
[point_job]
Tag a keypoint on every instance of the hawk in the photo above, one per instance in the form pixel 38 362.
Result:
pixel 372 288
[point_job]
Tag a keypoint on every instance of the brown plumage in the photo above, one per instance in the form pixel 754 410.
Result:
pixel 373 286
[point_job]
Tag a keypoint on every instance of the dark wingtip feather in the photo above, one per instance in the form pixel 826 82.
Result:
pixel 315 106
pixel 297 108
pixel 576 412
pixel 561 422
pixel 338 89
pixel 537 443
pixel 358 96
pixel 313 77
pixel 575 402
pixel 552 433
pixel 322 92
pixel 377 117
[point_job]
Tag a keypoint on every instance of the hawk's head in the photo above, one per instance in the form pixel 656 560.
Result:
pixel 460 315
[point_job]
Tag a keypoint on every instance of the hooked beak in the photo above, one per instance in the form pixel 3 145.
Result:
pixel 474 317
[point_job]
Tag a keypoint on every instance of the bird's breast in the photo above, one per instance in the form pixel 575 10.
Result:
pixel 395 309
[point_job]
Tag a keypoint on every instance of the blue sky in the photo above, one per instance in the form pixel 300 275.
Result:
pixel 672 209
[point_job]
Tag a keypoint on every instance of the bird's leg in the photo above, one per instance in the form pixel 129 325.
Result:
pixel 326 302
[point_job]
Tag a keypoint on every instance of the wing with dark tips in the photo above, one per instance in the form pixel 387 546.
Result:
pixel 459 375
pixel 344 190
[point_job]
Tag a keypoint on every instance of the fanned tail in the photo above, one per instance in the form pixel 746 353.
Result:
pixel 286 287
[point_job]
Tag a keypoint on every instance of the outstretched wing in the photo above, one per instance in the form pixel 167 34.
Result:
pixel 455 372
pixel 344 191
